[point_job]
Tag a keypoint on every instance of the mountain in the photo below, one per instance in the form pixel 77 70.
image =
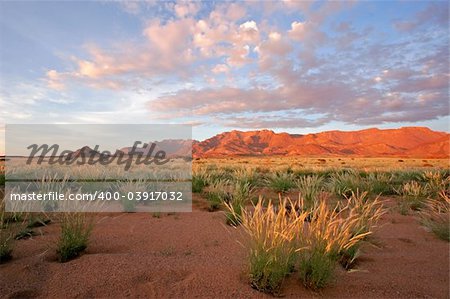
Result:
pixel 172 148
pixel 417 142
pixel 85 151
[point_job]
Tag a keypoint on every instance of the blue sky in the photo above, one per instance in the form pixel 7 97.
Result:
pixel 292 66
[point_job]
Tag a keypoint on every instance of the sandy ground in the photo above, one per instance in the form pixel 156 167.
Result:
pixel 196 255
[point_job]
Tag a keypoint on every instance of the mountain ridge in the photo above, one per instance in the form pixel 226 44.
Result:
pixel 373 142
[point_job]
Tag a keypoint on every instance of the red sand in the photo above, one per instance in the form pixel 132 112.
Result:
pixel 197 255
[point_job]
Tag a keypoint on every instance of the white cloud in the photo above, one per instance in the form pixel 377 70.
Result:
pixel 220 68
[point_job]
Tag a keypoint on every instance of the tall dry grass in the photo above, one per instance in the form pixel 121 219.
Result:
pixel 272 243
pixel 283 238
pixel 329 233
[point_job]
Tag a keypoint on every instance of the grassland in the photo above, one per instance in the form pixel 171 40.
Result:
pixel 301 224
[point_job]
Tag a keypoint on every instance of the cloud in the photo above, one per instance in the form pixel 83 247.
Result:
pixel 170 47
pixel 274 121
pixel 229 65
pixel 184 9
pixel 220 68
pixel 297 31
pixel 434 13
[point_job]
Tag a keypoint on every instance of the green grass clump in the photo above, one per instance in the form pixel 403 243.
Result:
pixel 379 183
pixel 239 198
pixel 413 195
pixel 217 194
pixel 309 187
pixel 435 182
pixel 198 183
pixel 246 175
pixel 436 216
pixel 10 224
pixel 200 179
pixel 76 228
pixel 342 184
pixel 6 244
pixel 281 182
pixel 316 268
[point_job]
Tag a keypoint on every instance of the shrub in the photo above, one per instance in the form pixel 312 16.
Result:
pixel 76 228
pixel 281 182
pixel 436 216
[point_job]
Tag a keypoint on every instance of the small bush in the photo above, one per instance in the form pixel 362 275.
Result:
pixel 76 228
pixel 198 183
pixel 128 206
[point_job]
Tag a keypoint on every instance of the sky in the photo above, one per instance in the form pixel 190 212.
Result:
pixel 292 66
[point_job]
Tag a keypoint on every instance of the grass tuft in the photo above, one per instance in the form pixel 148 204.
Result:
pixel 239 198
pixel 436 216
pixel 281 182
pixel 327 235
pixel 272 249
pixel 76 228
pixel 309 187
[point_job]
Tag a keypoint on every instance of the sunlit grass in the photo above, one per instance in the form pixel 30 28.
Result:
pixel 272 234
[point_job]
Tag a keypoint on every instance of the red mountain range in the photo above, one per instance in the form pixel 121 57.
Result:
pixel 416 142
